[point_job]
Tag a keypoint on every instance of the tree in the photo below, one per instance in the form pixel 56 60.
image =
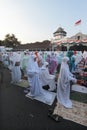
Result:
pixel 11 41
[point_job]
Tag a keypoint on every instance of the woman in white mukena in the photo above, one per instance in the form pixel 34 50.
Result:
pixel 47 78
pixel 33 76
pixel 63 84
pixel 15 67
pixel 35 83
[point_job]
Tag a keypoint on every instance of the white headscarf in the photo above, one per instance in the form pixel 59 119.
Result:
pixel 32 65
pixel 44 65
pixel 65 59
pixel 64 67
pixel 64 62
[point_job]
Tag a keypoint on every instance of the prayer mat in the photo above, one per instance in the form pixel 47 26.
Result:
pixel 78 96
pixel 22 83
pixel 47 97
pixel 79 88
pixel 76 114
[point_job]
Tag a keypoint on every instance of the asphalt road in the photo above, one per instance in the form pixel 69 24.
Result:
pixel 18 112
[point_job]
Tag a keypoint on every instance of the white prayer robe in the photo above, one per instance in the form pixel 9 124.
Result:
pixel 63 84
pixel 15 70
pixel 33 77
pixel 47 78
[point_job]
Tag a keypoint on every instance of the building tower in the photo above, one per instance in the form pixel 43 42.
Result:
pixel 59 34
pixel 57 37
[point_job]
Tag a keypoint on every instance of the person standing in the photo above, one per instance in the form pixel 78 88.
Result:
pixel 63 84
pixel 15 67
pixel 33 76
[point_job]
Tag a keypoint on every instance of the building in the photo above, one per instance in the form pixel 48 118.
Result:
pixel 61 42
pixel 58 36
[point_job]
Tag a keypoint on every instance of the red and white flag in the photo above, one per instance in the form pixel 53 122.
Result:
pixel 78 22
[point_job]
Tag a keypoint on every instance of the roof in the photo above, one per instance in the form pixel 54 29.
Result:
pixel 79 35
pixel 60 30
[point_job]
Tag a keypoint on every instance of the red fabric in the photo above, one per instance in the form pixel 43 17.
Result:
pixel 78 22
pixel 36 53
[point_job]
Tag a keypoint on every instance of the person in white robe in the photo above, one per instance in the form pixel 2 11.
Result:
pixel 24 62
pixel 63 84
pixel 47 78
pixel 84 54
pixel 33 76
pixel 78 58
pixel 15 67
pixel 5 59
pixel 36 90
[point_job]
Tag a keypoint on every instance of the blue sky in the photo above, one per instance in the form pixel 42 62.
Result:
pixel 37 20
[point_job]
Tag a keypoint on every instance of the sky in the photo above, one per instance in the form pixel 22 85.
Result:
pixel 36 20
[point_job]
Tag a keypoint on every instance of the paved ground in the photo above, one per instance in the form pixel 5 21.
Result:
pixel 18 112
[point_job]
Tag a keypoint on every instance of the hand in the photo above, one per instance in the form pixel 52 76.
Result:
pixel 75 80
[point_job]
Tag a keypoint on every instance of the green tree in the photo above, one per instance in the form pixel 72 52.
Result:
pixel 11 41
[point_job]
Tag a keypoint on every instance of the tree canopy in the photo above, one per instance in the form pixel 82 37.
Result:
pixel 10 41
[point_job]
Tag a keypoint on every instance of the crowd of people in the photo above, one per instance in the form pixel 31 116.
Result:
pixel 41 69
